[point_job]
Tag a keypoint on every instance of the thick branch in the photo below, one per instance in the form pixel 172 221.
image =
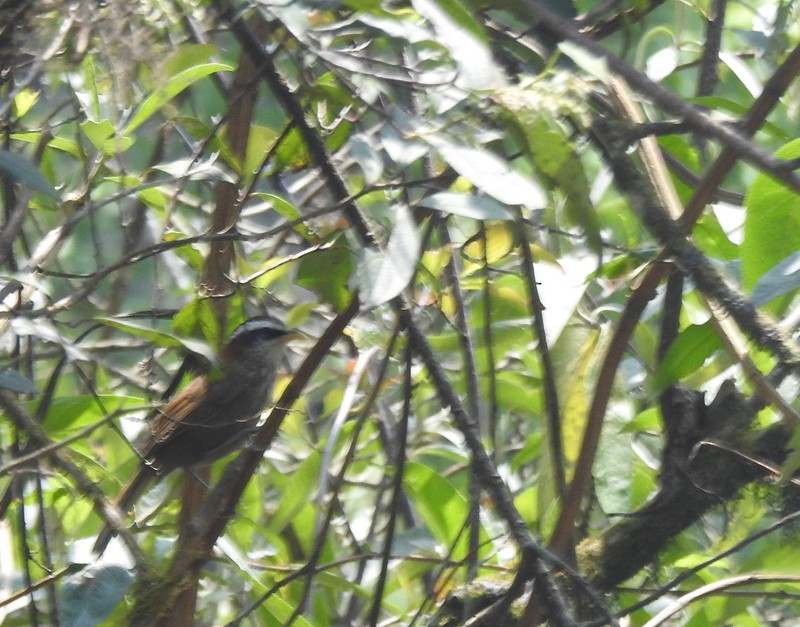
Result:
pixel 695 478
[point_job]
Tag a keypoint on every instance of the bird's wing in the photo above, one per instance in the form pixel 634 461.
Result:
pixel 181 412
pixel 171 416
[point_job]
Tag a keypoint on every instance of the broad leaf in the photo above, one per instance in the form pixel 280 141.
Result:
pixel 20 169
pixel 778 280
pixel 687 353
pixel 466 40
pixel 467 205
pixel 327 273
pixel 443 508
pixel 16 382
pixel 771 227
pixel 298 491
pixel 382 275
pixel 88 597
pixel 160 338
pixel 554 156
pixel 491 174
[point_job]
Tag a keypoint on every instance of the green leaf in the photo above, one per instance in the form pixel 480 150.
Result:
pixel 327 273
pixel 576 400
pixel 24 101
pixel 688 352
pixel 382 275
pixel 585 60
pixel 555 156
pixel 199 316
pixel 371 6
pixel 69 146
pixel 20 169
pixel 103 136
pixel 613 469
pixel 175 85
pixel 297 492
pixel 188 56
pixel 89 96
pixel 467 205
pixel 260 143
pixel 739 109
pixel 455 13
pixel 282 612
pixel 443 508
pixel 281 205
pixel 90 596
pixel 743 71
pixel 516 392
pixel 771 227
pixel 285 208
pixel 196 170
pixel 292 152
pixel 160 338
pixel 401 148
pixel 712 239
pixel 362 148
pixel 70 412
pixel 499 242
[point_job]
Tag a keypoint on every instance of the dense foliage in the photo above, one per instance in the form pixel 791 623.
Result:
pixel 544 255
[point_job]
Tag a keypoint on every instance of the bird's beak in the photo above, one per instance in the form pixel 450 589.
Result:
pixel 293 335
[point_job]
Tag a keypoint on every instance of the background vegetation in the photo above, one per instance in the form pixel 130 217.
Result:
pixel 545 257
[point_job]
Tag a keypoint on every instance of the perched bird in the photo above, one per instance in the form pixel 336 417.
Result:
pixel 213 414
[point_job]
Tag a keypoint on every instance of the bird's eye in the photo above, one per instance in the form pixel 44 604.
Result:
pixel 267 333
pixel 259 329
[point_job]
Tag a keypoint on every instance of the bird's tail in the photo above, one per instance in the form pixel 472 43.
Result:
pixel 127 497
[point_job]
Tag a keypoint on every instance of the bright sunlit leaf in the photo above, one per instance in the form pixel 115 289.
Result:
pixel 382 275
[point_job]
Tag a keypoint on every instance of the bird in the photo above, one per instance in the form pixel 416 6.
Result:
pixel 213 414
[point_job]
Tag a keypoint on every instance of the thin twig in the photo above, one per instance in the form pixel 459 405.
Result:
pixel 715 588
pixel 473 388
pixel 550 389
pixel 397 491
